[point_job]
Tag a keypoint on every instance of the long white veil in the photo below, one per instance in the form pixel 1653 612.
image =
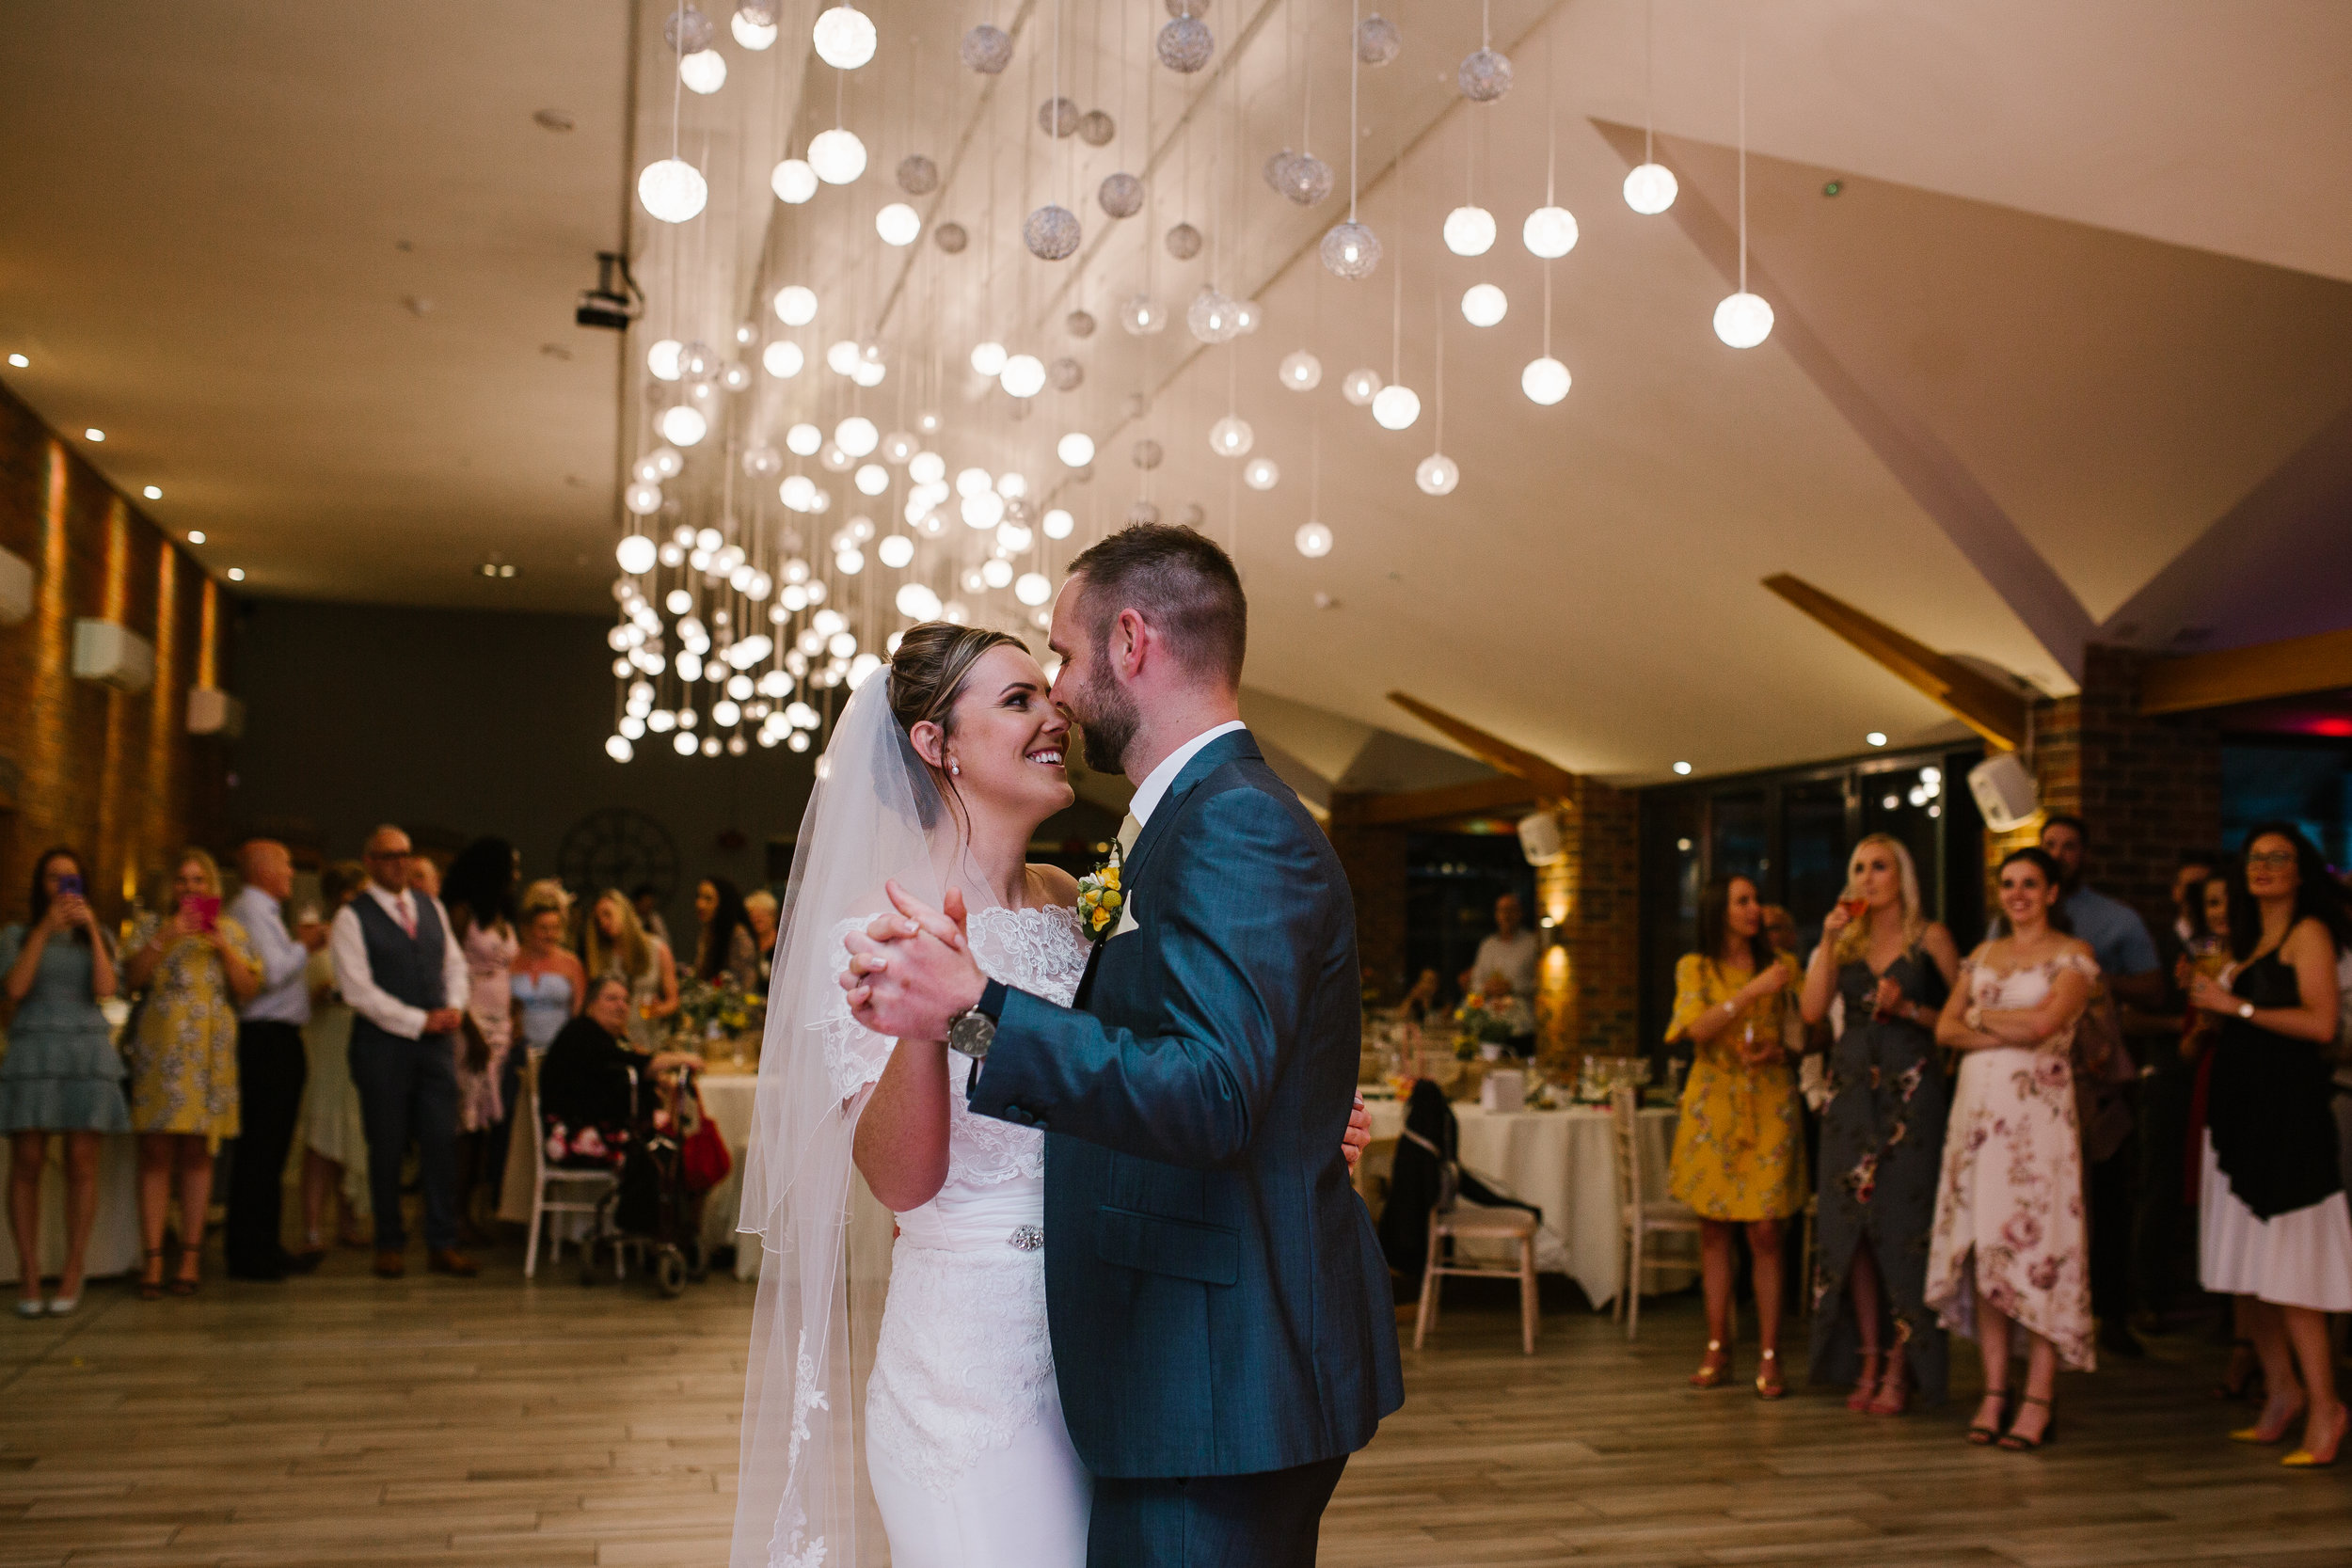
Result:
pixel 802 1499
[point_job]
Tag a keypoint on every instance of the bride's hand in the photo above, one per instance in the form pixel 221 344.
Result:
pixel 910 985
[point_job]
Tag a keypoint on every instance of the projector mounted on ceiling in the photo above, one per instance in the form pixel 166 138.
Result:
pixel 605 305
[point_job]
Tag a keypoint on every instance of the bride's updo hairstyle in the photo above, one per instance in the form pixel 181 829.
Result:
pixel 927 674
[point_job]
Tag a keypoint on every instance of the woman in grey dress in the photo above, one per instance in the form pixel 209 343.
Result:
pixel 1882 1134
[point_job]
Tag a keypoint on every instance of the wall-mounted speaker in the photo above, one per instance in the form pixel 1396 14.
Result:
pixel 2006 795
pixel 1539 839
pixel 113 655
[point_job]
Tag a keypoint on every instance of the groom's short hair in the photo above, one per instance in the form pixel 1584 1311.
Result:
pixel 1180 583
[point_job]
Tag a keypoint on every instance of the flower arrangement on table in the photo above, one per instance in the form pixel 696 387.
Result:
pixel 1489 1021
pixel 710 1009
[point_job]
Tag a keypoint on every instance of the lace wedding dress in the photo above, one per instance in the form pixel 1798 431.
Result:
pixel 965 1448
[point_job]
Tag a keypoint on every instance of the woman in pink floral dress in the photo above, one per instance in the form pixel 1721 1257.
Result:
pixel 2010 1245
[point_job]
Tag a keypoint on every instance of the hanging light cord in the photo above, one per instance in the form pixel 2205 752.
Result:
pixel 1743 159
pixel 1354 132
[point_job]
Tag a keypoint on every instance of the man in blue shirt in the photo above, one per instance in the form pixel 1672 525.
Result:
pixel 2128 964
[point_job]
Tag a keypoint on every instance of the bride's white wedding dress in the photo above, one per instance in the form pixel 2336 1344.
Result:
pixel 965 1448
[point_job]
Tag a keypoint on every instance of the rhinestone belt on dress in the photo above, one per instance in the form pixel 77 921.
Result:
pixel 1026 1238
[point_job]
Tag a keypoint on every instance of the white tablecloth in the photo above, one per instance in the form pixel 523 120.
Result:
pixel 728 1098
pixel 114 1242
pixel 1561 1162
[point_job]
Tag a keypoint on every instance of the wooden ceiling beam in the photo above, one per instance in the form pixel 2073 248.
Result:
pixel 1976 701
pixel 1480 795
pixel 1550 780
pixel 2291 667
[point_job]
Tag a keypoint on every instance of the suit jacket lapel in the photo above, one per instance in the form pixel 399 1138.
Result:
pixel 1215 755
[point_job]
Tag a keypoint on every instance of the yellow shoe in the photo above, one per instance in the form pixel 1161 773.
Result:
pixel 2312 1459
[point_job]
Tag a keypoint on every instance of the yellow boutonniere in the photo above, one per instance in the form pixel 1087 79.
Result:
pixel 1100 900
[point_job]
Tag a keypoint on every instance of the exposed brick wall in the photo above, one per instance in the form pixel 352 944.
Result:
pixel 1589 994
pixel 114 774
pixel 2146 788
pixel 1373 859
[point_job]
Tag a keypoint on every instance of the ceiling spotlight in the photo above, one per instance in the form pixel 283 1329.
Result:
pixel 93 433
pixel 20 361
pixel 236 574
pixel 1876 738
pixel 1684 768
pixel 196 536
pixel 154 493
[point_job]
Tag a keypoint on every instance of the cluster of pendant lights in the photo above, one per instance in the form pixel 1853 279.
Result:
pixel 826 651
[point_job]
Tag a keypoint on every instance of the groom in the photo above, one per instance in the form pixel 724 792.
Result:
pixel 1223 1330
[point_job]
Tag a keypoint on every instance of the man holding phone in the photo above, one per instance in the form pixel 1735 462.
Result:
pixel 407 983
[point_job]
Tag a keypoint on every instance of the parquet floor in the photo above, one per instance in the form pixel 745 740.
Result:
pixel 340 1420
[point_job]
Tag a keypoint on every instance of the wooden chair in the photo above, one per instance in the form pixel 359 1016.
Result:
pixel 1507 1225
pixel 585 1189
pixel 1639 1216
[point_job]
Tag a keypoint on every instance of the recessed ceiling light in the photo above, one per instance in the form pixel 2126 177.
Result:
pixel 1876 738
pixel 95 434
pixel 20 361
pixel 154 493
pixel 1682 767
pixel 196 536
pixel 236 574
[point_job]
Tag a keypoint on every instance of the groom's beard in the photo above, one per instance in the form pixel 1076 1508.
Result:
pixel 1109 724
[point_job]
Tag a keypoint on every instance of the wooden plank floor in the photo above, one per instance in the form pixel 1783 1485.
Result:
pixel 341 1421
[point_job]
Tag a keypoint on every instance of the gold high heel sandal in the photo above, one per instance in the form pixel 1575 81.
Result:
pixel 1711 1372
pixel 1768 1384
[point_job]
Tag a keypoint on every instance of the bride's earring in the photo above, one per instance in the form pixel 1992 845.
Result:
pixel 954 768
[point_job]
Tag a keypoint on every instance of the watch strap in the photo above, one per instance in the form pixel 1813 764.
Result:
pixel 992 1003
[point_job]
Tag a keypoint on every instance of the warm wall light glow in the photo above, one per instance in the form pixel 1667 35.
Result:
pixel 154 493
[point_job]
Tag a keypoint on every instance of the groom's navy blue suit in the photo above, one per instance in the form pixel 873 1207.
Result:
pixel 1218 1303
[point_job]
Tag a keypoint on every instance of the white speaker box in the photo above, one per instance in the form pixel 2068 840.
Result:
pixel 113 655
pixel 1539 839
pixel 16 588
pixel 211 711
pixel 2006 795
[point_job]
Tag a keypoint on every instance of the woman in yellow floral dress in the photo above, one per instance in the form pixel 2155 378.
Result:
pixel 197 967
pixel 1739 1154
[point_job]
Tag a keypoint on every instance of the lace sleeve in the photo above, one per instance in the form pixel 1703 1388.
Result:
pixel 854 1054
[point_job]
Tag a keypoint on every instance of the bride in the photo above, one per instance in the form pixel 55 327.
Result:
pixel 937 776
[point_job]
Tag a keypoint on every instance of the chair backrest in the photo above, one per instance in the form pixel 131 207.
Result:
pixel 534 1124
pixel 1625 1141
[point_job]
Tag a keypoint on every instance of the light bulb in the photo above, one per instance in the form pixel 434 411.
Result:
pixel 796 305
pixel 1549 232
pixel 975 482
pixel 1360 386
pixel 1545 381
pixel 1350 250
pixel 1395 407
pixel 872 478
pixel 926 467
pixel 1076 449
pixel 983 510
pixel 1141 316
pixel 618 749
pixel 662 359
pixel 898 224
pixel 672 189
pixel 803 439
pixel 1470 231
pixel 783 360
pixel 997 574
pixel 1301 371
pixel 917 603
pixel 704 71
pixel 836 155
pixel 1743 320
pixel 896 550
pixel 850 562
pixel 684 424
pixel 1230 437
pixel 752 33
pixel 989 358
pixel 867 372
pixel 1483 304
pixel 841 357
pixel 643 499
pixel 1034 588
pixel 857 435
pixel 1649 189
pixel 1314 540
pixel 1012 484
pixel 1023 376
pixel 1438 474
pixel 635 554
pixel 793 181
pixel 844 36
pixel 1059 524
pixel 1260 473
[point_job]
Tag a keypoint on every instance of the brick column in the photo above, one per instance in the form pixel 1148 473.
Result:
pixel 1588 993
pixel 1373 859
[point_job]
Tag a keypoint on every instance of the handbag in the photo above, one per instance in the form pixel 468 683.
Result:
pixel 704 1160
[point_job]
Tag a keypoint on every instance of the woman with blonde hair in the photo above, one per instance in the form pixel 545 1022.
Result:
pixel 616 943
pixel 198 967
pixel 1882 1132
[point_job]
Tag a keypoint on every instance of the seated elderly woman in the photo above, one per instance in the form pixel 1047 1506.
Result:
pixel 586 1106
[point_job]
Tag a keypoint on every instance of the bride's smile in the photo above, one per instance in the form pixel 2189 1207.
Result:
pixel 1003 747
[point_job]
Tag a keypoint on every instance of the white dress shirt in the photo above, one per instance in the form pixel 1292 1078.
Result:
pixel 354 979
pixel 284 994
pixel 1155 784
pixel 1513 957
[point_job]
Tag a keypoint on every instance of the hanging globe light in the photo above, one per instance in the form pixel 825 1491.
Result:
pixel 618 749
pixel 1012 484
pixel 1649 189
pixel 1182 241
pixel 1058 117
pixel 687 31
pixel 1437 475
pixel 1141 317
pixel 856 436
pixel 762 461
pixel 1066 374
pixel 684 424
pixel 1051 232
pixel 1470 231
pixel 1076 449
pixel 704 73
pixel 844 36
pixel 803 439
pixel 1351 251
pixel 1549 232
pixel 1378 40
pixel 841 357
pixel 987 49
pixel 1743 320
pixel 1260 473
pixel 1230 437
pixel 783 360
pixel 975 482
pixel 836 155
pixel 1249 315
pixel 1545 381
pixel 696 362
pixel 835 459
pixel 1314 540
pixel 871 479
pixel 734 377
pixel 867 372
pixel 918 175
pixel 1059 524
pixel 1211 316
pixel 1143 513
pixel 1301 372
pixel 662 359
pixel 667 462
pixel 1023 376
pixel 1483 304
pixel 1121 196
pixel 1395 407
pixel 951 238
pixel 898 224
pixel 917 603
pixel 1184 45
pixel 995 573
pixel 672 189
pixel 988 358
pixel 793 181
pixel 1034 588
pixel 751 32
pixel 1146 453
pixel 642 498
pixel 895 551
pixel 636 552
pixel 1485 77
pixel 981 512
pixel 1306 180
pixel 1013 537
pixel 926 467
pixel 1360 386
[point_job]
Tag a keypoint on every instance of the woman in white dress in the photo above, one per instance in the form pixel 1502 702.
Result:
pixel 937 776
pixel 2011 1243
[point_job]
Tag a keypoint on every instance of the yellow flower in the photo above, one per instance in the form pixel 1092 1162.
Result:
pixel 1110 899
pixel 1110 876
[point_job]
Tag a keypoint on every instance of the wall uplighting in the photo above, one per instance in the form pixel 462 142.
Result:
pixel 154 493
pixel 196 536
pixel 236 574
pixel 1876 738
pixel 94 434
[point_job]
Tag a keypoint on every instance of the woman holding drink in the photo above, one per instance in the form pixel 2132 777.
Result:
pixel 1882 1134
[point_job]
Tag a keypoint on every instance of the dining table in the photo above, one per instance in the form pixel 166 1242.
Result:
pixel 730 1093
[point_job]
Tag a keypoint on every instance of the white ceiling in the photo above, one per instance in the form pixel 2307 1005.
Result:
pixel 2092 258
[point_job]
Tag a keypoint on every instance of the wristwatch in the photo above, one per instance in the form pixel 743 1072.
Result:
pixel 2246 1009
pixel 973 1031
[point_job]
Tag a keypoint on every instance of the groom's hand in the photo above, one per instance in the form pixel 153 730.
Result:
pixel 912 973
pixel 1359 1134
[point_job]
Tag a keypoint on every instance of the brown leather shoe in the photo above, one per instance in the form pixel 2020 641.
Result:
pixel 449 1261
pixel 390 1265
